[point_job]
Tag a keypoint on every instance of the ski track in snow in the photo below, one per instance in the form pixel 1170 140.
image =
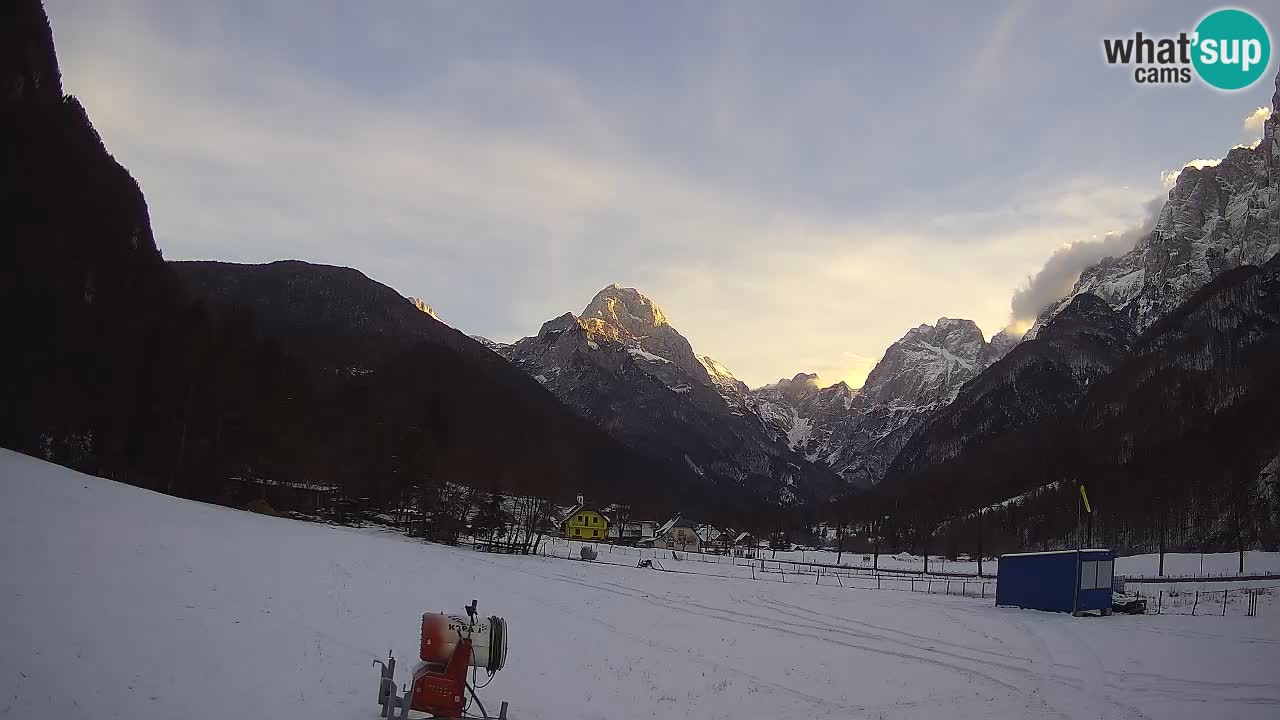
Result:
pixel 122 603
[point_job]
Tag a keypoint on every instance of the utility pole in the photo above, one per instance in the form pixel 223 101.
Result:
pixel 875 562
pixel 979 542
pixel 1162 522
pixel 1075 583
pixel 925 539
pixel 1239 541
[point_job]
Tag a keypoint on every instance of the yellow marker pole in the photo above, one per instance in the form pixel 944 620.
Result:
pixel 1084 495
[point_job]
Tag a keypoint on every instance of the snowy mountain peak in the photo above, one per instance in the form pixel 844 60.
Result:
pixel 929 363
pixel 625 308
pixel 734 391
pixel 493 345
pixel 625 315
pixel 557 325
pixel 1001 343
pixel 798 386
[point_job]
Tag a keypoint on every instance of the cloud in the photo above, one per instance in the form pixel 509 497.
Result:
pixel 1254 122
pixel 504 193
pixel 1061 271
pixel 1170 177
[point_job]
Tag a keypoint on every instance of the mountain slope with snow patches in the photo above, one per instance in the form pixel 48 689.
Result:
pixel 621 365
pixel 1215 218
pixel 859 432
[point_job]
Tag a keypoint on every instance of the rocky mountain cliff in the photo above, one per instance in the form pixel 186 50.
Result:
pixel 1215 219
pixel 1178 422
pixel 624 367
pixel 858 432
pixel 1040 378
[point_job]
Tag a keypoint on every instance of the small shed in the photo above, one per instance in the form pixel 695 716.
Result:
pixel 1057 581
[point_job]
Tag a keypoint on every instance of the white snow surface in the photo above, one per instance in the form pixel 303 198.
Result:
pixel 646 355
pixel 122 603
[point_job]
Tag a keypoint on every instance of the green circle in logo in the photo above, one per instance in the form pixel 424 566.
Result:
pixel 1232 49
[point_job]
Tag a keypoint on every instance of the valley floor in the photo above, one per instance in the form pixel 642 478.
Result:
pixel 120 603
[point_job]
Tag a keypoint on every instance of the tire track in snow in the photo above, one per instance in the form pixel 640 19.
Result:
pixel 849 624
pixel 768 623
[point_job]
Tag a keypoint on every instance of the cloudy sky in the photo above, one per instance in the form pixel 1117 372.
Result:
pixel 796 184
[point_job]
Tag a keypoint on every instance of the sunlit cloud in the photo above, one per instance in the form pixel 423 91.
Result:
pixel 1170 177
pixel 783 227
pixel 1256 119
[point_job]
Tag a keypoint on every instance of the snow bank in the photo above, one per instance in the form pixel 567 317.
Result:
pixel 121 603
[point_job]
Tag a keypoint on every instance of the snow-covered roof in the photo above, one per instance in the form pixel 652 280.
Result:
pixel 675 521
pixel 579 508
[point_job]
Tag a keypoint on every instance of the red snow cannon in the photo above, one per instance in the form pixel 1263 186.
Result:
pixel 449 646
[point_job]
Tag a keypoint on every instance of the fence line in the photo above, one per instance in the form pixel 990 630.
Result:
pixel 1214 602
pixel 797 567
pixel 784 571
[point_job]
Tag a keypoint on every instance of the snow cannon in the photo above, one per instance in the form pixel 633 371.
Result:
pixel 449 647
pixel 441 635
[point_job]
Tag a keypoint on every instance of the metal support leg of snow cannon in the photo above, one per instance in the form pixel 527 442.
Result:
pixel 388 698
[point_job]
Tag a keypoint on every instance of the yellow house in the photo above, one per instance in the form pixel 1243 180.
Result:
pixel 583 523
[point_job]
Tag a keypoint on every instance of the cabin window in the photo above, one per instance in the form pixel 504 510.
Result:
pixel 1095 574
pixel 1088 574
pixel 1104 573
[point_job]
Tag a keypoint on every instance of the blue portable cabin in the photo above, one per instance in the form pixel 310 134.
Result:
pixel 1057 581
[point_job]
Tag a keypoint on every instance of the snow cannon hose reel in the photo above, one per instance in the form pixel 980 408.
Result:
pixel 449 646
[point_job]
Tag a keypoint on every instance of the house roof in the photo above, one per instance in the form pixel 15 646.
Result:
pixel 675 521
pixel 741 537
pixel 579 508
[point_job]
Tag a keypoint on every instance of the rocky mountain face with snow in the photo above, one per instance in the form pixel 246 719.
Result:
pixel 1040 378
pixel 621 365
pixel 1152 373
pixel 858 432
pixel 1180 420
pixel 1215 219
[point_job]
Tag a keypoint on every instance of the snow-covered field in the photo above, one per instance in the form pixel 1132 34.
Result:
pixel 120 603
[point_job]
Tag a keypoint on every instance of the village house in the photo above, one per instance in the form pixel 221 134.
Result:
pixel 584 523
pixel 677 534
pixel 633 532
